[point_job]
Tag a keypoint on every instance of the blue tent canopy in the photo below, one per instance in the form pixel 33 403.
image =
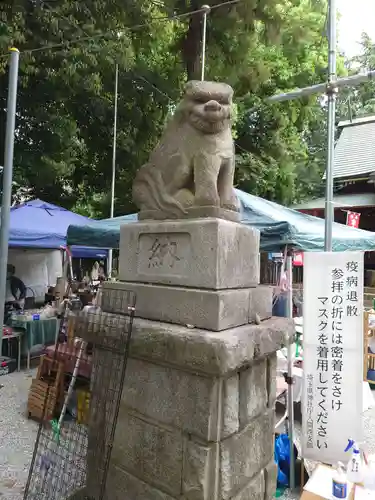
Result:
pixel 37 224
pixel 279 227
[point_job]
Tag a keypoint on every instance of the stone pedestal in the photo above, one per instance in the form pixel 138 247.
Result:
pixel 201 272
pixel 212 254
pixel 196 418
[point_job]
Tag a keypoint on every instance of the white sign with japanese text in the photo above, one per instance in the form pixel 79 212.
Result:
pixel 333 354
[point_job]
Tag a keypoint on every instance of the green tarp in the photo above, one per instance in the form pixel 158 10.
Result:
pixel 279 226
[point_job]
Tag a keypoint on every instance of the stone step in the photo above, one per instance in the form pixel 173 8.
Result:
pixel 208 309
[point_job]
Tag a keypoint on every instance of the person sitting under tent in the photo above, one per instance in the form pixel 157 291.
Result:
pixel 16 289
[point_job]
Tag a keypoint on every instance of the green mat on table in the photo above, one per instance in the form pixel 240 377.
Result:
pixel 37 332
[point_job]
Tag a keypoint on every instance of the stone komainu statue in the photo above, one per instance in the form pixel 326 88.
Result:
pixel 193 164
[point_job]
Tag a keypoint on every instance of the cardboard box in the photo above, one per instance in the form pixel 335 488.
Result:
pixel 319 486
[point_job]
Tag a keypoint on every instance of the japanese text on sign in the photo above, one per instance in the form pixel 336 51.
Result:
pixel 333 310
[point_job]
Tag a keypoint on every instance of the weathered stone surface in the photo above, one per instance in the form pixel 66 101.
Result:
pixel 199 476
pixel 214 353
pixel 260 302
pixel 183 400
pixel 209 309
pixel 78 495
pixel 253 391
pixel 199 253
pixel 271 379
pixel 230 405
pixel 245 453
pixel 254 490
pixel 148 451
pixel 121 485
pixel 270 476
pixel 193 164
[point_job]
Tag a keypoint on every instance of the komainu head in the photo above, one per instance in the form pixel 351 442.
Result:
pixel 207 106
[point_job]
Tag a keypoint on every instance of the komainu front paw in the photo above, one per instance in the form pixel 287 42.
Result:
pixel 231 203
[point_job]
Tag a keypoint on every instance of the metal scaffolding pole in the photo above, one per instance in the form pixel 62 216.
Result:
pixel 206 11
pixel 7 181
pixel 331 112
pixel 321 88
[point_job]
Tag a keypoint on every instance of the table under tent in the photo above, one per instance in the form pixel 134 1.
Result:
pixel 281 230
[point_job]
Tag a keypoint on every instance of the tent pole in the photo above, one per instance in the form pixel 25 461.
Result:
pixel 114 152
pixel 7 181
pixel 290 375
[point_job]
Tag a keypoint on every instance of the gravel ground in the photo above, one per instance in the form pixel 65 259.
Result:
pixel 18 435
pixel 17 440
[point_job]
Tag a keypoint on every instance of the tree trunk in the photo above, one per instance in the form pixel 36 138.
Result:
pixel 191 46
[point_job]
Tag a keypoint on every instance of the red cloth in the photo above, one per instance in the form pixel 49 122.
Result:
pixel 352 219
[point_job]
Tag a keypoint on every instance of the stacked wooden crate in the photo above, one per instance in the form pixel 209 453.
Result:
pixel 46 388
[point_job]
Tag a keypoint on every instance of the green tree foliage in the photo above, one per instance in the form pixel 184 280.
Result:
pixel 50 140
pixel 66 95
pixel 359 101
pixel 277 135
pixel 262 48
pixel 65 103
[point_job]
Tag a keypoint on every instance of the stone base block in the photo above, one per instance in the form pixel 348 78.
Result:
pixel 191 349
pixel 78 495
pixel 209 309
pixel 211 253
pixel 172 464
pixel 243 455
pixel 121 485
pixel 270 476
pixel 194 400
pixel 253 490
pixel 260 303
pixel 195 421
pixel 124 486
pixel 149 451
pixel 178 399
pixel 193 213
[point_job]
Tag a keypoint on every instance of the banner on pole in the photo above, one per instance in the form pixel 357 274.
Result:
pixel 333 354
pixel 352 219
pixel 298 259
